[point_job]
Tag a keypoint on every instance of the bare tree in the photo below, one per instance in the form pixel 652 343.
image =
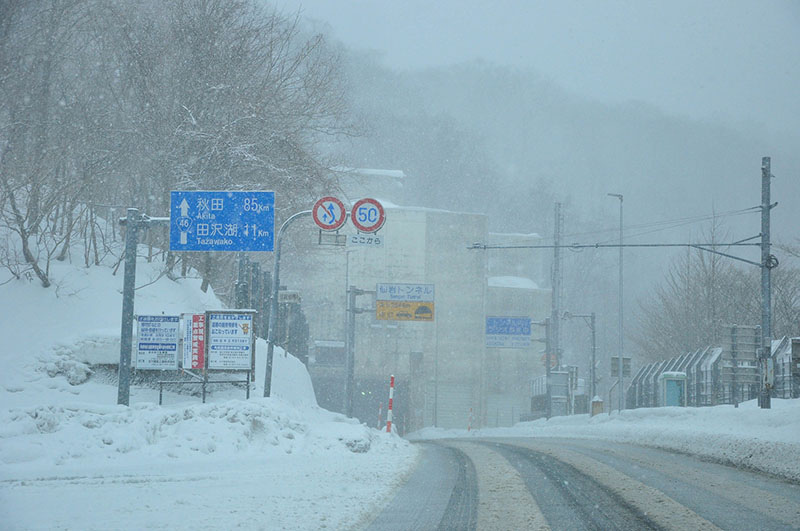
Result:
pixel 119 103
pixel 702 292
pixel 38 134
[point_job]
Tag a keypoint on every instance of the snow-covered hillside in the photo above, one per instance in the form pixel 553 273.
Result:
pixel 71 458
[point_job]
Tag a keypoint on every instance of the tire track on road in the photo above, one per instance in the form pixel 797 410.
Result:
pixel 658 508
pixel 503 499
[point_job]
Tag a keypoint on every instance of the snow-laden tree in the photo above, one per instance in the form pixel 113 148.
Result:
pixel 117 103
pixel 48 157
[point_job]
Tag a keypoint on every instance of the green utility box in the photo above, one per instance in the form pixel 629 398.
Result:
pixel 672 387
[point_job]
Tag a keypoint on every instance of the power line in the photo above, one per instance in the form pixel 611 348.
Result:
pixel 676 225
pixel 669 223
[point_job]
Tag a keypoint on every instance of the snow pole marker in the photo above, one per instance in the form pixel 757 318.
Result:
pixel 380 414
pixel 389 411
pixel 469 424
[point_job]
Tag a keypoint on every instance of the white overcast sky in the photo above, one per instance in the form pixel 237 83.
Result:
pixel 732 59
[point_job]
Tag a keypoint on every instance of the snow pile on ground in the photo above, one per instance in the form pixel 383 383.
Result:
pixel 767 440
pixel 70 457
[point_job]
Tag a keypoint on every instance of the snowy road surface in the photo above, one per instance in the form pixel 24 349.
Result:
pixel 551 483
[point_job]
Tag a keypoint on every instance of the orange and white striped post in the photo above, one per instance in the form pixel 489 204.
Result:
pixel 389 411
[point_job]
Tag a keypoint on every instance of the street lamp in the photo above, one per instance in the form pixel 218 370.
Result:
pixel 591 323
pixel 621 388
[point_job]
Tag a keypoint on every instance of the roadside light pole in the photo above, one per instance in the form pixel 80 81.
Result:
pixel 621 345
pixel 273 312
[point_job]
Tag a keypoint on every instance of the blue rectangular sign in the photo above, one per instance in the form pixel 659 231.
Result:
pixel 508 332
pixel 221 221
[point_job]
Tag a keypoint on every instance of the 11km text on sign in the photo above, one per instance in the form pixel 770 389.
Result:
pixel 221 221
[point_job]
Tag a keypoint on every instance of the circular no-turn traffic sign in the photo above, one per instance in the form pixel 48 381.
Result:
pixel 367 215
pixel 329 213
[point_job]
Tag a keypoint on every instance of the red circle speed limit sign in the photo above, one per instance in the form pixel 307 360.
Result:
pixel 329 213
pixel 367 215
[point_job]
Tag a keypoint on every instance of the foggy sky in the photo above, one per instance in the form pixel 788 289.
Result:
pixel 733 61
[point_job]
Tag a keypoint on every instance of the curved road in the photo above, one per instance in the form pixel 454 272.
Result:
pixel 544 483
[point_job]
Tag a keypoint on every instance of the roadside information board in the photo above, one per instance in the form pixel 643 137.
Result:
pixel 230 339
pixel 508 332
pixel 157 341
pixel 194 341
pixel 221 221
pixel 404 302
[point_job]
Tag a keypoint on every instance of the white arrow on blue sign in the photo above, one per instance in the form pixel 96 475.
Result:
pixel 221 220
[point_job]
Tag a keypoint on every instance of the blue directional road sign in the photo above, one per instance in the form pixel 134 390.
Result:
pixel 221 221
pixel 508 332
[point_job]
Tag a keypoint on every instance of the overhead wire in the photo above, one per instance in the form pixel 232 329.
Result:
pixel 657 226
pixel 676 225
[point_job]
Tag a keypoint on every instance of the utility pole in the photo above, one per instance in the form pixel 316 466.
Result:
pixel 556 286
pixel 767 263
pixel 547 346
pixel 621 344
pixel 594 355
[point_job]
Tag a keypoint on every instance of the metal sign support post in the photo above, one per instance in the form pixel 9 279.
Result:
pixel 350 344
pixel 594 355
pixel 352 293
pixel 133 222
pixel 128 285
pixel 273 313
pixel 548 343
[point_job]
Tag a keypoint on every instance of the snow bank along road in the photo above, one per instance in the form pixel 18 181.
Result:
pixel 549 483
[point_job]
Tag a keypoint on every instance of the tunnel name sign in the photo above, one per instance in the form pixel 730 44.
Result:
pixel 220 220
pixel 404 302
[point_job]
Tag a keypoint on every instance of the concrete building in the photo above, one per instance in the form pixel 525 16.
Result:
pixel 445 375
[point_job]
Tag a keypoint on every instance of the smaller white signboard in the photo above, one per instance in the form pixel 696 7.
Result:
pixel 230 339
pixel 364 240
pixel 157 341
